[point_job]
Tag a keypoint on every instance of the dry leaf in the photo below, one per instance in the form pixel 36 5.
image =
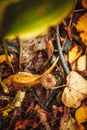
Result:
pixel 18 98
pixel 22 124
pixel 6 112
pixel 67 123
pixel 81 63
pixel 80 127
pixel 81 114
pixel 75 91
pixel 25 78
pixel 3 58
pixel 15 103
pixel 82 27
pixel 68 29
pixel 74 53
pixel 28 48
pixel 50 48
pixel 84 3
pixel 43 115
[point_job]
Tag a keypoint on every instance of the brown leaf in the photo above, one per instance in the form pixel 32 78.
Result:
pixel 50 48
pixel 84 3
pixel 67 122
pixel 22 124
pixel 80 127
pixel 68 29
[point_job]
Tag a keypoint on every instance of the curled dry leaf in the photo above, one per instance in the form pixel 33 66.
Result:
pixel 75 91
pixel 67 123
pixel 81 114
pixel 84 3
pixel 18 98
pixel 25 78
pixel 81 63
pixel 22 124
pixel 82 27
pixel 74 53
pixel 80 127
pixel 68 29
pixel 50 48
pixel 43 115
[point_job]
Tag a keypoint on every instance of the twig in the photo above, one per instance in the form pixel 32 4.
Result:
pixel 60 86
pixel 65 67
pixel 5 88
pixel 6 53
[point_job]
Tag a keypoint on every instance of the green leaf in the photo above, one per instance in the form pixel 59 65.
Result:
pixel 28 18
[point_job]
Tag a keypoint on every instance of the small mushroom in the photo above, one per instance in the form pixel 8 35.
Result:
pixel 48 81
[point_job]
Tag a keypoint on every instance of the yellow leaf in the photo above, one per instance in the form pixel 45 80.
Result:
pixel 3 58
pixel 81 63
pixel 18 99
pixel 81 114
pixel 84 37
pixel 25 78
pixel 74 53
pixel 82 27
pixel 6 111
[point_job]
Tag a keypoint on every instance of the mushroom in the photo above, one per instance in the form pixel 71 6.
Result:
pixel 48 81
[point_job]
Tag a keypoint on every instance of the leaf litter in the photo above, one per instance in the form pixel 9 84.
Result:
pixel 48 89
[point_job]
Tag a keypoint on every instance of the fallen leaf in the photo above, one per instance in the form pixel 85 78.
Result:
pixel 18 99
pixel 84 3
pixel 50 48
pixel 81 63
pixel 43 115
pixel 6 112
pixel 80 127
pixel 5 88
pixel 74 53
pixel 26 78
pixel 15 103
pixel 82 28
pixel 67 123
pixel 22 124
pixel 68 29
pixel 3 58
pixel 28 48
pixel 81 114
pixel 75 90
